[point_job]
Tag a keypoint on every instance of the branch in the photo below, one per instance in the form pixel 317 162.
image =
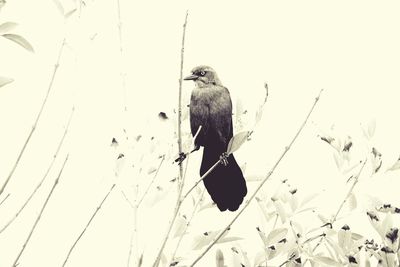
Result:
pixel 1 203
pixel 260 185
pixel 151 183
pixel 44 176
pixel 188 224
pixel 36 121
pixel 40 213
pixel 181 178
pixel 344 201
pixel 87 225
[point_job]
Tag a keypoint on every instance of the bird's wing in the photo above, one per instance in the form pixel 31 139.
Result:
pixel 221 115
pixel 199 116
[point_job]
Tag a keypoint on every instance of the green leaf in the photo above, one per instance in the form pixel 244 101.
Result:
pixel 236 141
pixel 7 26
pixel 19 40
pixel 5 80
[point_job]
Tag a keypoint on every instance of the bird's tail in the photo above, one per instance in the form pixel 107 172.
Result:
pixel 225 184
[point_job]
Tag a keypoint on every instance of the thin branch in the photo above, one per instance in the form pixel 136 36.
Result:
pixel 40 213
pixel 180 98
pixel 152 181
pixel 121 50
pixel 349 192
pixel 260 185
pixel 1 203
pixel 344 201
pixel 181 177
pixel 201 179
pixel 188 224
pixel 44 176
pixel 36 121
pixel 87 225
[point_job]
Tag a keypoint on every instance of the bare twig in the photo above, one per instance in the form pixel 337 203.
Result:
pixel 180 97
pixel 121 50
pixel 44 176
pixel 151 183
pixel 188 224
pixel 349 192
pixel 4 199
pixel 40 214
pixel 260 185
pixel 344 201
pixel 87 225
pixel 36 121
pixel 181 177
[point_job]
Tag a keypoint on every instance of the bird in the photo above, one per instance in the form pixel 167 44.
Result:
pixel 211 108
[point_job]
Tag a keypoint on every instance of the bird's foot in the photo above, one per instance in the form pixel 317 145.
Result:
pixel 181 158
pixel 224 159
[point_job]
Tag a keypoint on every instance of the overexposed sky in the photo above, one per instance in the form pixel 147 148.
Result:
pixel 348 48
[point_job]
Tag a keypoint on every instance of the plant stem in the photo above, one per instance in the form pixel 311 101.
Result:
pixel 40 214
pixel 87 225
pixel 36 121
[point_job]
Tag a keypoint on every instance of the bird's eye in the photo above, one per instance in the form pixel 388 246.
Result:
pixel 202 73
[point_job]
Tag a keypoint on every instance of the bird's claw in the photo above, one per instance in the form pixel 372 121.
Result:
pixel 224 159
pixel 182 157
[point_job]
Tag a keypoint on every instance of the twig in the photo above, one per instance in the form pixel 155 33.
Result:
pixel 260 185
pixel 181 178
pixel 4 199
pixel 151 183
pixel 180 99
pixel 36 121
pixel 188 224
pixel 350 191
pixel 344 201
pixel 121 50
pixel 44 176
pixel 201 179
pixel 87 225
pixel 40 213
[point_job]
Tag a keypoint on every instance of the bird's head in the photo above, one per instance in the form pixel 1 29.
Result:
pixel 204 76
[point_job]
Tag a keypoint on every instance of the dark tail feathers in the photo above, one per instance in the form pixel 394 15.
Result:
pixel 225 184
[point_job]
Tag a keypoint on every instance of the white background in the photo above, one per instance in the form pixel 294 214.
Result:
pixel 351 49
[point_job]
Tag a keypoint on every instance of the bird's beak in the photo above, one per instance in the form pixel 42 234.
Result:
pixel 191 77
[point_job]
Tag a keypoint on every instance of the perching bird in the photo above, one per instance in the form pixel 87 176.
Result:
pixel 211 108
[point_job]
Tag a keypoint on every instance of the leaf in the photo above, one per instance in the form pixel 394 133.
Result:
pixel 7 26
pixel 371 128
pixel 229 239
pixel 69 13
pixel 19 40
pixel 219 258
pixel 395 166
pixel 276 235
pixel 5 80
pixel 326 261
pixel 308 199
pixel 59 6
pixel 259 114
pixel 259 258
pixel 262 236
pixel 376 160
pixel 352 202
pixel 236 141
pixel 281 211
pixel 179 227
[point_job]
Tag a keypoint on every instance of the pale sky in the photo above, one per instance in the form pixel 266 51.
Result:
pixel 348 48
